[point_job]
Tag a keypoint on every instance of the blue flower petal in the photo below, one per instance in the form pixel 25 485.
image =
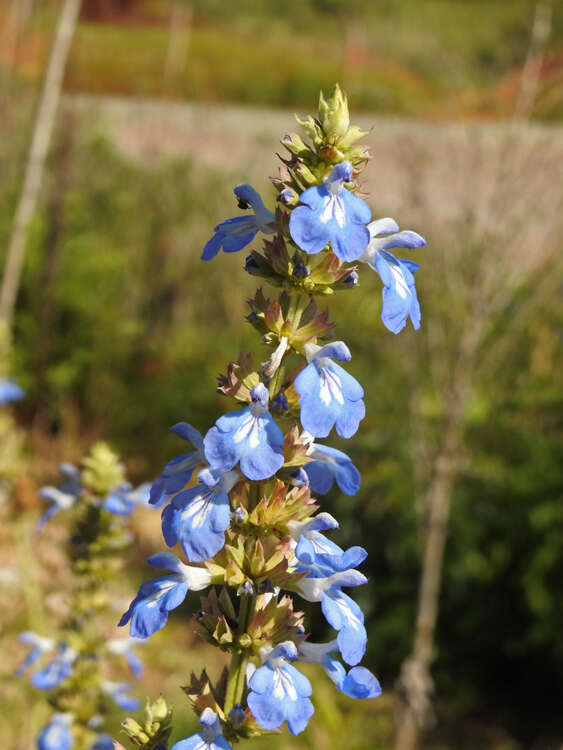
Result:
pixel 330 213
pixel 9 391
pixel 250 436
pixel 197 518
pixel 329 396
pixel 347 618
pixel 56 735
pixel 331 464
pixel 148 612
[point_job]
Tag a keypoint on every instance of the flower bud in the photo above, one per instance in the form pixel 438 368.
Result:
pixel 333 114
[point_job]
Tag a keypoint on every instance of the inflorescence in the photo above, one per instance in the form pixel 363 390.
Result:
pixel 240 503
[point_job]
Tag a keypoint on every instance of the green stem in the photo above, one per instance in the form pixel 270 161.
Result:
pixel 297 304
pixel 237 671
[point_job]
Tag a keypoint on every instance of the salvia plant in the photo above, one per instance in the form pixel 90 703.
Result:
pixel 240 503
pixel 74 667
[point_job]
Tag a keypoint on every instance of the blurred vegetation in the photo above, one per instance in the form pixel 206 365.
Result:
pixel 433 59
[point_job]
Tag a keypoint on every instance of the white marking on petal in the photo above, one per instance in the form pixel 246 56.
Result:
pixel 333 208
pixel 401 286
pixel 330 386
pixel 283 686
pixel 249 430
pixel 351 619
pixel 199 509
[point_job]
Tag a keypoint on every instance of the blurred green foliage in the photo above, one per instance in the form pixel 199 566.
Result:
pixel 432 59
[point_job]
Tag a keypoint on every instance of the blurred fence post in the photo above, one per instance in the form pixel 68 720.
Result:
pixel 41 138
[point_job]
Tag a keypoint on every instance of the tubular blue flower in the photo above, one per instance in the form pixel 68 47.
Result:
pixel 117 691
pixel 124 647
pixel 56 735
pixel 330 213
pixel 234 234
pixel 57 670
pixel 340 611
pixel 209 738
pixel 62 497
pixel 399 292
pixel 329 464
pixel 279 692
pixel 9 391
pixel 329 395
pixel 148 612
pixel 319 556
pixel 178 472
pixel 123 500
pixel 358 682
pixel 251 436
pixel 199 517
pixel 39 647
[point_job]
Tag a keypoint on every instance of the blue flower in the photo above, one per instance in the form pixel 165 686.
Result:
pixel 40 647
pixel 117 691
pixel 331 214
pixel 399 293
pixel 178 472
pixel 234 234
pixel 251 436
pixel 329 395
pixel 9 391
pixel 62 497
pixel 198 517
pixel 358 682
pixel 124 647
pixel 103 742
pixel 317 555
pixel 340 611
pixel 329 464
pixel 209 738
pixel 123 500
pixel 57 670
pixel 279 692
pixel 56 735
pixel 148 612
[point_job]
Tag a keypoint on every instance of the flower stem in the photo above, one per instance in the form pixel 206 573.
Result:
pixel 237 671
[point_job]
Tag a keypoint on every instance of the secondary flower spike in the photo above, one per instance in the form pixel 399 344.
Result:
pixel 329 395
pixel 330 213
pixel 251 436
pixel 9 391
pixel 199 517
pixel 234 234
pixel 399 292
pixel 279 692
pixel 148 612
pixel 56 735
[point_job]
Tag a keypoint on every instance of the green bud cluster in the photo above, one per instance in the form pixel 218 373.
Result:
pixel 156 728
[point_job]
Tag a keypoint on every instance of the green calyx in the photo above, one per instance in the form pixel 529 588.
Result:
pixel 156 728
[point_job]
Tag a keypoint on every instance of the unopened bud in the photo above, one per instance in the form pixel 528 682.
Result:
pixel 134 731
pixel 333 114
